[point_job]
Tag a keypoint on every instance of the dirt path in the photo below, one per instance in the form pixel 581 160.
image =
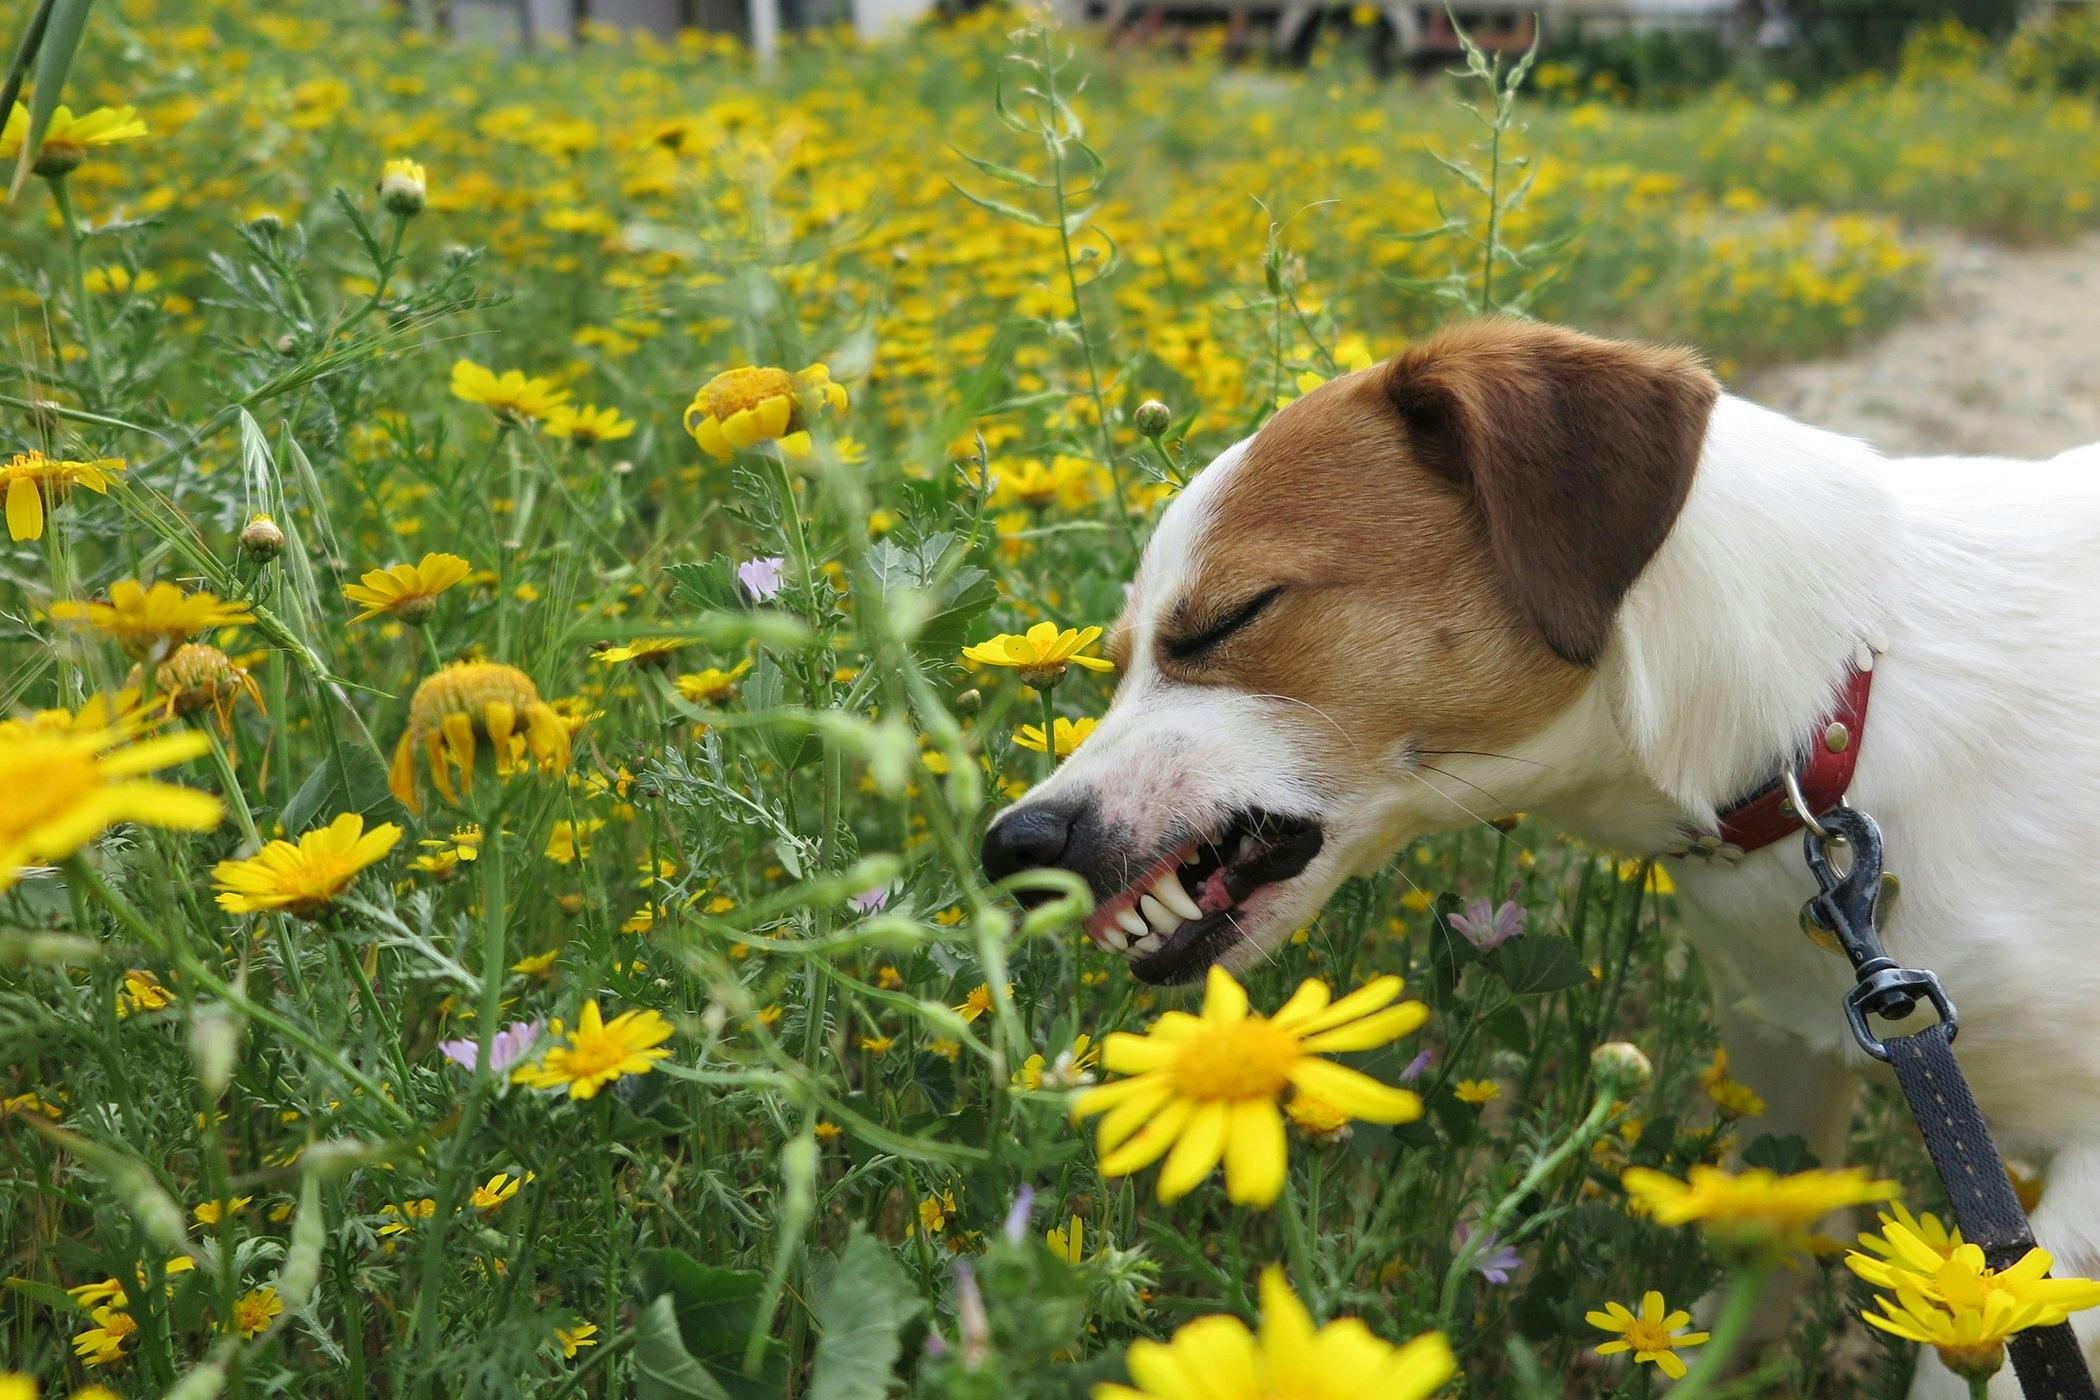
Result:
pixel 2005 360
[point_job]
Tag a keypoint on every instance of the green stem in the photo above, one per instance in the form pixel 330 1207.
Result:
pixel 83 310
pixel 1745 1287
pixel 1049 733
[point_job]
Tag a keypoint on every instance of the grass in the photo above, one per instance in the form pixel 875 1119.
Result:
pixel 764 835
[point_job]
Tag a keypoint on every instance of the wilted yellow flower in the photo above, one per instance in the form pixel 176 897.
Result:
pixel 303 878
pixel 198 676
pixel 511 396
pixel 151 622
pixel 35 485
pixel 473 700
pixel 741 408
pixel 1206 1088
pixel 66 788
pixel 406 591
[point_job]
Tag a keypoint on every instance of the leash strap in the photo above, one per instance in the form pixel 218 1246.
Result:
pixel 2046 1359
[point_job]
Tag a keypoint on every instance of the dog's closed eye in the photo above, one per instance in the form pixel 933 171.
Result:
pixel 1192 643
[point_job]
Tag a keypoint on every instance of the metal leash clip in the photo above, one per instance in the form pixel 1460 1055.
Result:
pixel 1844 908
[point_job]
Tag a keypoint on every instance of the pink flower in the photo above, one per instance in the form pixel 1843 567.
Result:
pixel 508 1047
pixel 761 577
pixel 870 901
pixel 1488 929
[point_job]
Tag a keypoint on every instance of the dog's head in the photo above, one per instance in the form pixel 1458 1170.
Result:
pixel 1410 565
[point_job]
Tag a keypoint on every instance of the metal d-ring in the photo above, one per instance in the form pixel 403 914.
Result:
pixel 1808 818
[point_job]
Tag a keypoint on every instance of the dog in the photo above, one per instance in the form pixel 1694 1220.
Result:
pixel 1516 568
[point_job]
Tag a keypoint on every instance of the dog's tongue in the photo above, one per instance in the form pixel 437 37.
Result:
pixel 1214 896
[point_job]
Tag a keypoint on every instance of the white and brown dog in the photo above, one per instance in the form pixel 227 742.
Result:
pixel 1520 569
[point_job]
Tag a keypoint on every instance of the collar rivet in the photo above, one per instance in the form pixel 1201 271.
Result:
pixel 1836 737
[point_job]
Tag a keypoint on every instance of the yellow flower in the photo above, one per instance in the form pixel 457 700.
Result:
pixel 255 1310
pixel 537 963
pixel 652 652
pixel 67 137
pixel 1476 1091
pixel 711 686
pixel 1217 1358
pixel 1067 1241
pixel 1734 1099
pixel 877 1044
pixel 303 878
pixel 1954 1274
pixel 1070 734
pixel 1756 1209
pixel 405 1214
pixel 1651 1335
pixel 212 1212
pixel 498 1189
pixel 406 591
pixel 1207 1087
pixel 198 676
pixel 935 1210
pixel 1916 1242
pixel 570 842
pixel 441 858
pixel 66 789
pixel 151 622
pixel 403 188
pixel 141 991
pixel 588 425
pixel 512 396
pixel 978 1001
pixel 740 408
pixel 599 1051
pixel 1041 654
pixel 570 1339
pixel 35 485
pixel 104 1342
pixel 475 700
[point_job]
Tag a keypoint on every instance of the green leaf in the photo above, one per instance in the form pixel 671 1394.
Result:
pixel 348 780
pixel 663 1368
pixel 1539 963
pixel 1780 1154
pixel 863 1316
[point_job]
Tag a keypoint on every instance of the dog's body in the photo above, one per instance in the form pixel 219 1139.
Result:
pixel 1516 569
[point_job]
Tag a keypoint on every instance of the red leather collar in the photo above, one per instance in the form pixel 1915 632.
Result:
pixel 1766 815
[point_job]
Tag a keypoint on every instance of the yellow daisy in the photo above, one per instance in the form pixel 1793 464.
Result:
pixel 511 396
pixel 198 676
pixel 711 685
pixel 1476 1091
pixel 103 1343
pixel 65 789
pixel 1042 653
pixel 305 878
pixel 741 408
pixel 1206 1088
pixel 151 622
pixel 255 1310
pixel 1217 1358
pixel 34 485
pixel 498 1189
pixel 571 1339
pixel 1069 735
pixel 1652 1335
pixel 588 425
pixel 1755 1209
pixel 406 591
pixel 473 700
pixel 68 138
pixel 648 652
pixel 598 1052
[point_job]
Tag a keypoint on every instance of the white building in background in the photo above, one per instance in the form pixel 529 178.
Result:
pixel 759 21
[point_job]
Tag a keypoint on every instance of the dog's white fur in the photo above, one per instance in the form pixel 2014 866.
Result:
pixel 1977 581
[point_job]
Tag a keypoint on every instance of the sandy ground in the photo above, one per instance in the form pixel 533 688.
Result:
pixel 2005 360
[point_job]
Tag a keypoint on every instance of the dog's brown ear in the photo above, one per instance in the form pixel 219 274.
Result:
pixel 1577 451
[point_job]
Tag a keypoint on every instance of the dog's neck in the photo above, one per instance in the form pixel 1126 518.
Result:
pixel 1729 648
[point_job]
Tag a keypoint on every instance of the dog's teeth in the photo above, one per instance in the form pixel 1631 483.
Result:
pixel 1170 893
pixel 1162 919
pixel 1114 937
pixel 1133 923
pixel 1148 944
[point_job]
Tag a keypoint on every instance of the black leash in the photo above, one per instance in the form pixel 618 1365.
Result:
pixel 2047 1359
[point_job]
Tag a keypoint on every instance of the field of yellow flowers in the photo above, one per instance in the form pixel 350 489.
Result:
pixel 525 576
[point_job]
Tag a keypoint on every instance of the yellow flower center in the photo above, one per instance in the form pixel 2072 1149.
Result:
pixel 466 689
pixel 1649 1336
pixel 733 391
pixel 1247 1059
pixel 590 1054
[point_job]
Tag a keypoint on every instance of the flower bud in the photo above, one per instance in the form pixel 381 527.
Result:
pixel 969 702
pixel 402 192
pixel 267 224
pixel 1152 418
pixel 1620 1066
pixel 262 539
pixel 214 1042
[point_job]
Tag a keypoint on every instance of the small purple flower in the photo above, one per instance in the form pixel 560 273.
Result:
pixel 505 1050
pixel 1415 1067
pixel 871 901
pixel 1017 1218
pixel 1488 929
pixel 761 577
pixel 1492 1259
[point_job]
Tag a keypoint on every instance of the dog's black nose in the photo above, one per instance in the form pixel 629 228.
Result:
pixel 1028 837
